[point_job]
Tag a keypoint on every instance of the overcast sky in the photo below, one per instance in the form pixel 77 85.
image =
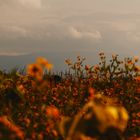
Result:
pixel 30 26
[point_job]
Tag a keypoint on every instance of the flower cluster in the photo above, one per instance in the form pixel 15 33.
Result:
pixel 36 104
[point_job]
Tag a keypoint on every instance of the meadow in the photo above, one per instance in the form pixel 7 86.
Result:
pixel 99 102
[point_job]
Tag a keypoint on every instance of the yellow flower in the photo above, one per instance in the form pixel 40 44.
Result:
pixel 136 58
pixel 137 78
pixel 124 114
pixel 52 111
pixel 35 70
pixel 49 66
pixel 21 88
pixel 112 111
pixel 42 61
pixel 137 68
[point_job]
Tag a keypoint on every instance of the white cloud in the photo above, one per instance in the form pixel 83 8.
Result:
pixel 22 3
pixel 12 32
pixel 31 3
pixel 124 26
pixel 96 35
pixel 12 54
pixel 75 33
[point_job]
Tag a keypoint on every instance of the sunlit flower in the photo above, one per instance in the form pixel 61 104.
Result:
pixel 68 61
pixel 112 111
pixel 49 66
pixel 27 121
pixel 114 56
pixel 91 93
pixel 42 61
pixel 101 53
pixel 96 67
pixel 137 68
pixel 136 58
pixel 87 67
pixel 124 114
pixel 129 62
pixel 137 78
pixel 138 114
pixel 52 112
pixel 35 70
pixel 21 88
pixel 78 58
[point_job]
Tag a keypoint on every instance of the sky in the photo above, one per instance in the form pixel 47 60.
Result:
pixel 69 26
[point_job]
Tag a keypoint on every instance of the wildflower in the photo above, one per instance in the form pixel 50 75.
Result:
pixel 35 70
pixel 49 66
pixel 78 58
pixel 96 67
pixel 101 53
pixel 21 88
pixel 138 114
pixel 137 68
pixel 68 61
pixel 87 67
pixel 114 56
pixel 42 61
pixel 91 92
pixel 112 111
pixel 27 121
pixel 129 62
pixel 137 78
pixel 52 112
pixel 136 58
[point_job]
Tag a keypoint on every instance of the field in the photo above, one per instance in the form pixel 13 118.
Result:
pixel 100 102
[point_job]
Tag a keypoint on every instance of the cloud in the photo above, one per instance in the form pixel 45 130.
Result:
pixel 31 3
pixel 124 25
pixel 96 35
pixel 134 36
pixel 12 32
pixel 37 4
pixel 12 54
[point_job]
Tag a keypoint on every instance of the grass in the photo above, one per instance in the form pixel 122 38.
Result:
pixel 86 103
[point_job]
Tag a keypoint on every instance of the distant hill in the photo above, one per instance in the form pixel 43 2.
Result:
pixel 56 58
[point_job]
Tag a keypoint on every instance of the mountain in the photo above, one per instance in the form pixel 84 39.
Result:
pixel 56 58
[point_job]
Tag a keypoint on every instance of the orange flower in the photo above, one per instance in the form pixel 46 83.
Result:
pixel 52 112
pixel 136 58
pixel 27 121
pixel 21 88
pixel 96 67
pixel 87 67
pixel 137 78
pixel 91 92
pixel 137 68
pixel 35 70
pixel 42 61
pixel 49 66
